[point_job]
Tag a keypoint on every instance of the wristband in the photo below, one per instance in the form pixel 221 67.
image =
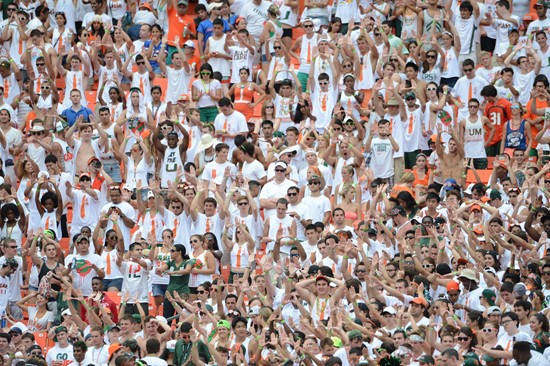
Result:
pixel 346 257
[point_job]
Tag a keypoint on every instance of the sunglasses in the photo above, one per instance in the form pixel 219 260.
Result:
pixel 85 179
pixel 276 47
pixel 467 70
pixel 462 338
pixel 546 273
pixel 515 107
pixel 36 133
pixel 140 63
pixel 40 64
pixel 193 241
pixel 200 292
pixel 243 203
pixel 360 271
pixel 269 106
pixel 314 182
pixel 12 246
pixel 292 194
pixel 431 56
pixel 473 106
pixel 205 73
pixel 173 250
pixel 308 26
pixel 280 170
pixel 410 98
pixel 409 238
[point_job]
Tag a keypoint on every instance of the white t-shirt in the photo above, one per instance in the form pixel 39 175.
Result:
pixel 82 270
pixel 178 83
pixel 57 353
pixel 255 16
pixel 316 207
pixel 235 123
pixel 381 161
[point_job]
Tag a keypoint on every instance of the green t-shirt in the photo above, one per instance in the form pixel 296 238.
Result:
pixel 182 352
pixel 178 283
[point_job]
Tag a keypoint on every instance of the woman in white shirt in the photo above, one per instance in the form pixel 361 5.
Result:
pixel 40 318
pixel 206 92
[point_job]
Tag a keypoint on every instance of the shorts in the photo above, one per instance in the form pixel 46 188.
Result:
pixel 287 32
pixel 113 169
pixel 159 289
pixel 208 114
pixel 112 282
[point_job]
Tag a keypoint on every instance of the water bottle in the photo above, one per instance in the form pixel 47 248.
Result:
pixel 3 322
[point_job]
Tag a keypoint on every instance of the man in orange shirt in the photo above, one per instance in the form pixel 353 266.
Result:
pixel 498 110
pixel 535 113
pixel 179 25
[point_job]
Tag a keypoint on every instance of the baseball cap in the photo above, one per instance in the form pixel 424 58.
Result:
pixel 420 301
pixel 494 310
pixel 398 210
pixel 189 44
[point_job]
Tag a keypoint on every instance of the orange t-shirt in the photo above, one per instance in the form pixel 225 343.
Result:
pixel 540 104
pixel 177 24
pixel 498 113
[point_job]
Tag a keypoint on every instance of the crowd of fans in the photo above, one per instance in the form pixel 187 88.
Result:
pixel 283 182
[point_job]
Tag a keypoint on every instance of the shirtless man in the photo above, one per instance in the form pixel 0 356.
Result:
pixel 85 148
pixel 152 326
pixel 451 163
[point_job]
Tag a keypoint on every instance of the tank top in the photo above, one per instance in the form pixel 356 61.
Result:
pixel 170 163
pixel 218 63
pixel 306 52
pixel 74 80
pixel 38 155
pixel 430 21
pixel 44 270
pixel 349 103
pixel 321 310
pixel 516 138
pixel 44 103
pixel 244 94
pixel 409 20
pixel 153 225
pixel 111 269
pixel 474 139
pixel 134 173
pixel 198 279
pixel 366 76
pixel 274 224
pixel 278 64
pixel 240 256
pixel 451 68
pixel 273 36
pixel 12 232
pixel 49 222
